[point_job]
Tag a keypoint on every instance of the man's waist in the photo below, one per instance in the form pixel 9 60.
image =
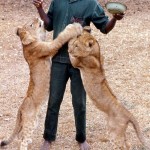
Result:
pixel 62 56
pixel 61 59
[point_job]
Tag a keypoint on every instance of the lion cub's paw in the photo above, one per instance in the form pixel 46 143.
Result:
pixel 78 27
pixel 75 29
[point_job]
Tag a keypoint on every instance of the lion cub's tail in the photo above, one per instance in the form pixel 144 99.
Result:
pixel 141 137
pixel 15 132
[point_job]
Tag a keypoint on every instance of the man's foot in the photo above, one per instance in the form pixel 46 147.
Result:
pixel 84 146
pixel 46 145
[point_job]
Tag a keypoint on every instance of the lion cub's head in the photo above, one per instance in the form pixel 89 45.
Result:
pixel 84 45
pixel 31 32
pixel 84 51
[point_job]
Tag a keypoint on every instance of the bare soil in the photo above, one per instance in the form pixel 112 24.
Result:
pixel 126 52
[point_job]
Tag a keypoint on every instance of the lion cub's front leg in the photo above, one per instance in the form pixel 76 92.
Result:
pixel 71 31
pixel 51 48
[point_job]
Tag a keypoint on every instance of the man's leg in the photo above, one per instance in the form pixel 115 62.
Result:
pixel 79 105
pixel 59 78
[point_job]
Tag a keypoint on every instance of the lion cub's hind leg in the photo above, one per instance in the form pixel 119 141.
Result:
pixel 26 133
pixel 26 136
pixel 29 123
pixel 119 143
pixel 117 130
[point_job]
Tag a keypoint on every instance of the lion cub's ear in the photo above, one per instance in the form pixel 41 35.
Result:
pixel 27 40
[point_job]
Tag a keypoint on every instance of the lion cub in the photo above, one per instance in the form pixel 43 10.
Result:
pixel 37 53
pixel 84 52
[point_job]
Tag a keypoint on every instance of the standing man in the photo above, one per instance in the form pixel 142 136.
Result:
pixel 60 14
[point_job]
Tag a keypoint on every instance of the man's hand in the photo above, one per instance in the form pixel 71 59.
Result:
pixel 38 3
pixel 118 16
pixel 110 25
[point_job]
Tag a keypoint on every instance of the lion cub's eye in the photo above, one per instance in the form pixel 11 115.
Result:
pixel 40 25
pixel 31 25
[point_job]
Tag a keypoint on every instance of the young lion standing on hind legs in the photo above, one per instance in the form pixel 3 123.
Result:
pixel 37 54
pixel 84 52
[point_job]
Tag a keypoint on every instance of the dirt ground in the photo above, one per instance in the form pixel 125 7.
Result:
pixel 126 52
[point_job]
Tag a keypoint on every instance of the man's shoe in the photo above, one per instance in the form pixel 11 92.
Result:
pixel 84 146
pixel 46 145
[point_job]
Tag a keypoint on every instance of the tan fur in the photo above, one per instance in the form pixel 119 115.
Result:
pixel 37 54
pixel 84 52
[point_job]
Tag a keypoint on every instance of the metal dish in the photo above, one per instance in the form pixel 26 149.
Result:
pixel 115 7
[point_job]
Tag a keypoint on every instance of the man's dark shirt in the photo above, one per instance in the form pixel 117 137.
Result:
pixel 63 12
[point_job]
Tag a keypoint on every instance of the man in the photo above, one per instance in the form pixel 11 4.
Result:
pixel 60 14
